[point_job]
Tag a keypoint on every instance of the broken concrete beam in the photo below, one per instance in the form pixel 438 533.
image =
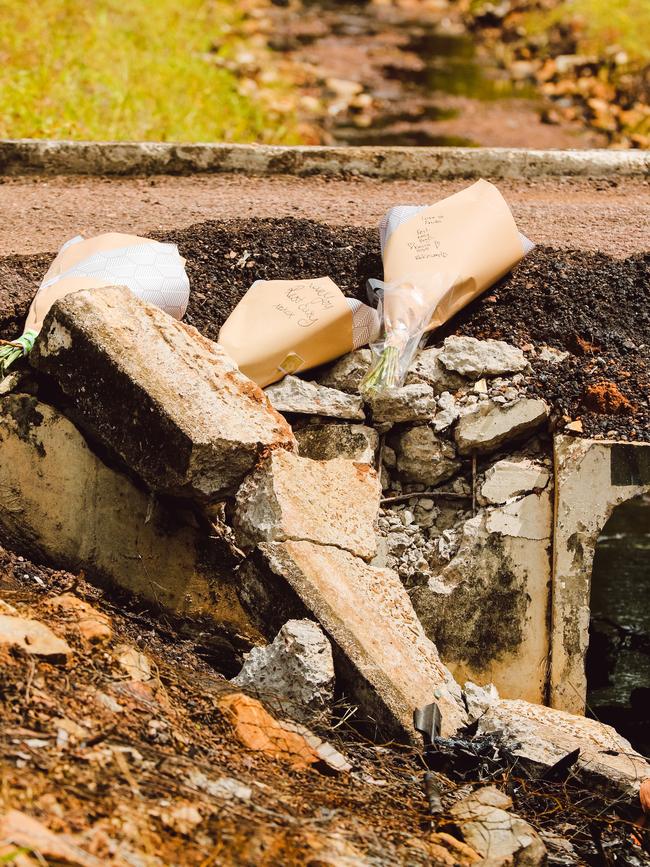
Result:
pixel 325 442
pixel 297 395
pixel 511 478
pixel 542 735
pixel 474 358
pixel 493 425
pixel 295 673
pixel 170 403
pixel 62 504
pixel 328 502
pixel 382 657
pixel 423 457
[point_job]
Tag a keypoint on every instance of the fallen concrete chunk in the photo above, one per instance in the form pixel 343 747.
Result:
pixel 293 394
pixel 346 373
pixel 476 358
pixel 447 413
pixel 325 442
pixel 33 637
pixel 329 502
pixel 428 368
pixel 493 425
pixel 169 402
pixel 543 736
pixel 294 674
pixel 511 478
pixel 69 508
pixel 423 457
pixel 499 837
pixel 414 402
pixel 80 619
pixel 382 656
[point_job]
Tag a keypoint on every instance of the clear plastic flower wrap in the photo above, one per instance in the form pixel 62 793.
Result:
pixel 406 309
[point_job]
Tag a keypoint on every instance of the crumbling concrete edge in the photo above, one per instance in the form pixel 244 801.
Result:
pixel 43 157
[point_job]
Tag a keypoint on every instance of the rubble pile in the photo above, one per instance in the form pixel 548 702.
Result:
pixel 342 561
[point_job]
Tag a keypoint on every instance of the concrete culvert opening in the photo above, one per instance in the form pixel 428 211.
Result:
pixel 618 658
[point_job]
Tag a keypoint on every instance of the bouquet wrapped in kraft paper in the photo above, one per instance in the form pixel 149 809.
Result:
pixel 153 271
pixel 288 326
pixel 436 260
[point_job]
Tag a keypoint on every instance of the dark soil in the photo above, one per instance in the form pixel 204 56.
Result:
pixel 592 305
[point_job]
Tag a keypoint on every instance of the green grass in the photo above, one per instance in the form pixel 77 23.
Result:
pixel 126 69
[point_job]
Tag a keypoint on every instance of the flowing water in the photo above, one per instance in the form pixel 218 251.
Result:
pixel 618 663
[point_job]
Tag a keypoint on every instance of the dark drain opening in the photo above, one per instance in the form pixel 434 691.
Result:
pixel 618 659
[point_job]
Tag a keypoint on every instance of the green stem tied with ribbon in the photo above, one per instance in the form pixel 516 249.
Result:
pixel 12 350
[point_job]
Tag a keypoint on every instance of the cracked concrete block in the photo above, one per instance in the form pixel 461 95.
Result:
pixel 329 502
pixel 325 442
pixel 476 358
pixel 61 504
pixel 427 368
pixel 425 458
pixel 295 673
pixel 512 478
pixel 297 395
pixel 592 477
pixel 170 403
pixel 409 403
pixel 544 735
pixel 493 425
pixel 382 657
pixel 487 609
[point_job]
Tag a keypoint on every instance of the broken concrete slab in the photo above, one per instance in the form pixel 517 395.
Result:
pixel 474 358
pixel 382 656
pixel 328 502
pixel 530 517
pixel 325 442
pixel 544 735
pixel 499 837
pixel 297 395
pixel 186 421
pixel 414 402
pixel 33 637
pixel 346 373
pixel 592 479
pixel 511 478
pixel 61 504
pixel 427 368
pixel 295 673
pixel 425 458
pixel 493 425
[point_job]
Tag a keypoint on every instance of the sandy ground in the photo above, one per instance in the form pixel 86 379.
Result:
pixel 37 215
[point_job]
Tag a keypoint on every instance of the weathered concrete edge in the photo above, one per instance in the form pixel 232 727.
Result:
pixel 42 157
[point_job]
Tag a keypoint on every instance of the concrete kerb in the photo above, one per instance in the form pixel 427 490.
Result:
pixel 42 157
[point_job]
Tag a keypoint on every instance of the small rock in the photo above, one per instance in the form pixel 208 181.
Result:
pixel 346 374
pixel 423 457
pixel 574 426
pixel 23 831
pixel 295 673
pixel 478 699
pixel 293 394
pixel 493 425
pixel 80 618
pixel 481 387
pixel 447 413
pixel 33 637
pixel 476 358
pixel 410 403
pixel 510 478
pixel 496 834
pixel 551 355
pixel 227 788
pixel 427 368
pixel 325 442
pixel 182 818
pixel 133 662
pixel 329 502
pixel 389 458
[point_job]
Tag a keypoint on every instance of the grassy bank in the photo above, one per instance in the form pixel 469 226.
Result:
pixel 133 69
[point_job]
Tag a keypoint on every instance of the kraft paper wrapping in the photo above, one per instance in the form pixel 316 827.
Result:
pixel 286 326
pixel 153 271
pixel 465 242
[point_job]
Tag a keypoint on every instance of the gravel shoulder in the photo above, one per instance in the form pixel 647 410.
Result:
pixel 38 214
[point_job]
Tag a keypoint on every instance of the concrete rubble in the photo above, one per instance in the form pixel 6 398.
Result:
pixel 171 426
pixel 295 673
pixel 382 586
